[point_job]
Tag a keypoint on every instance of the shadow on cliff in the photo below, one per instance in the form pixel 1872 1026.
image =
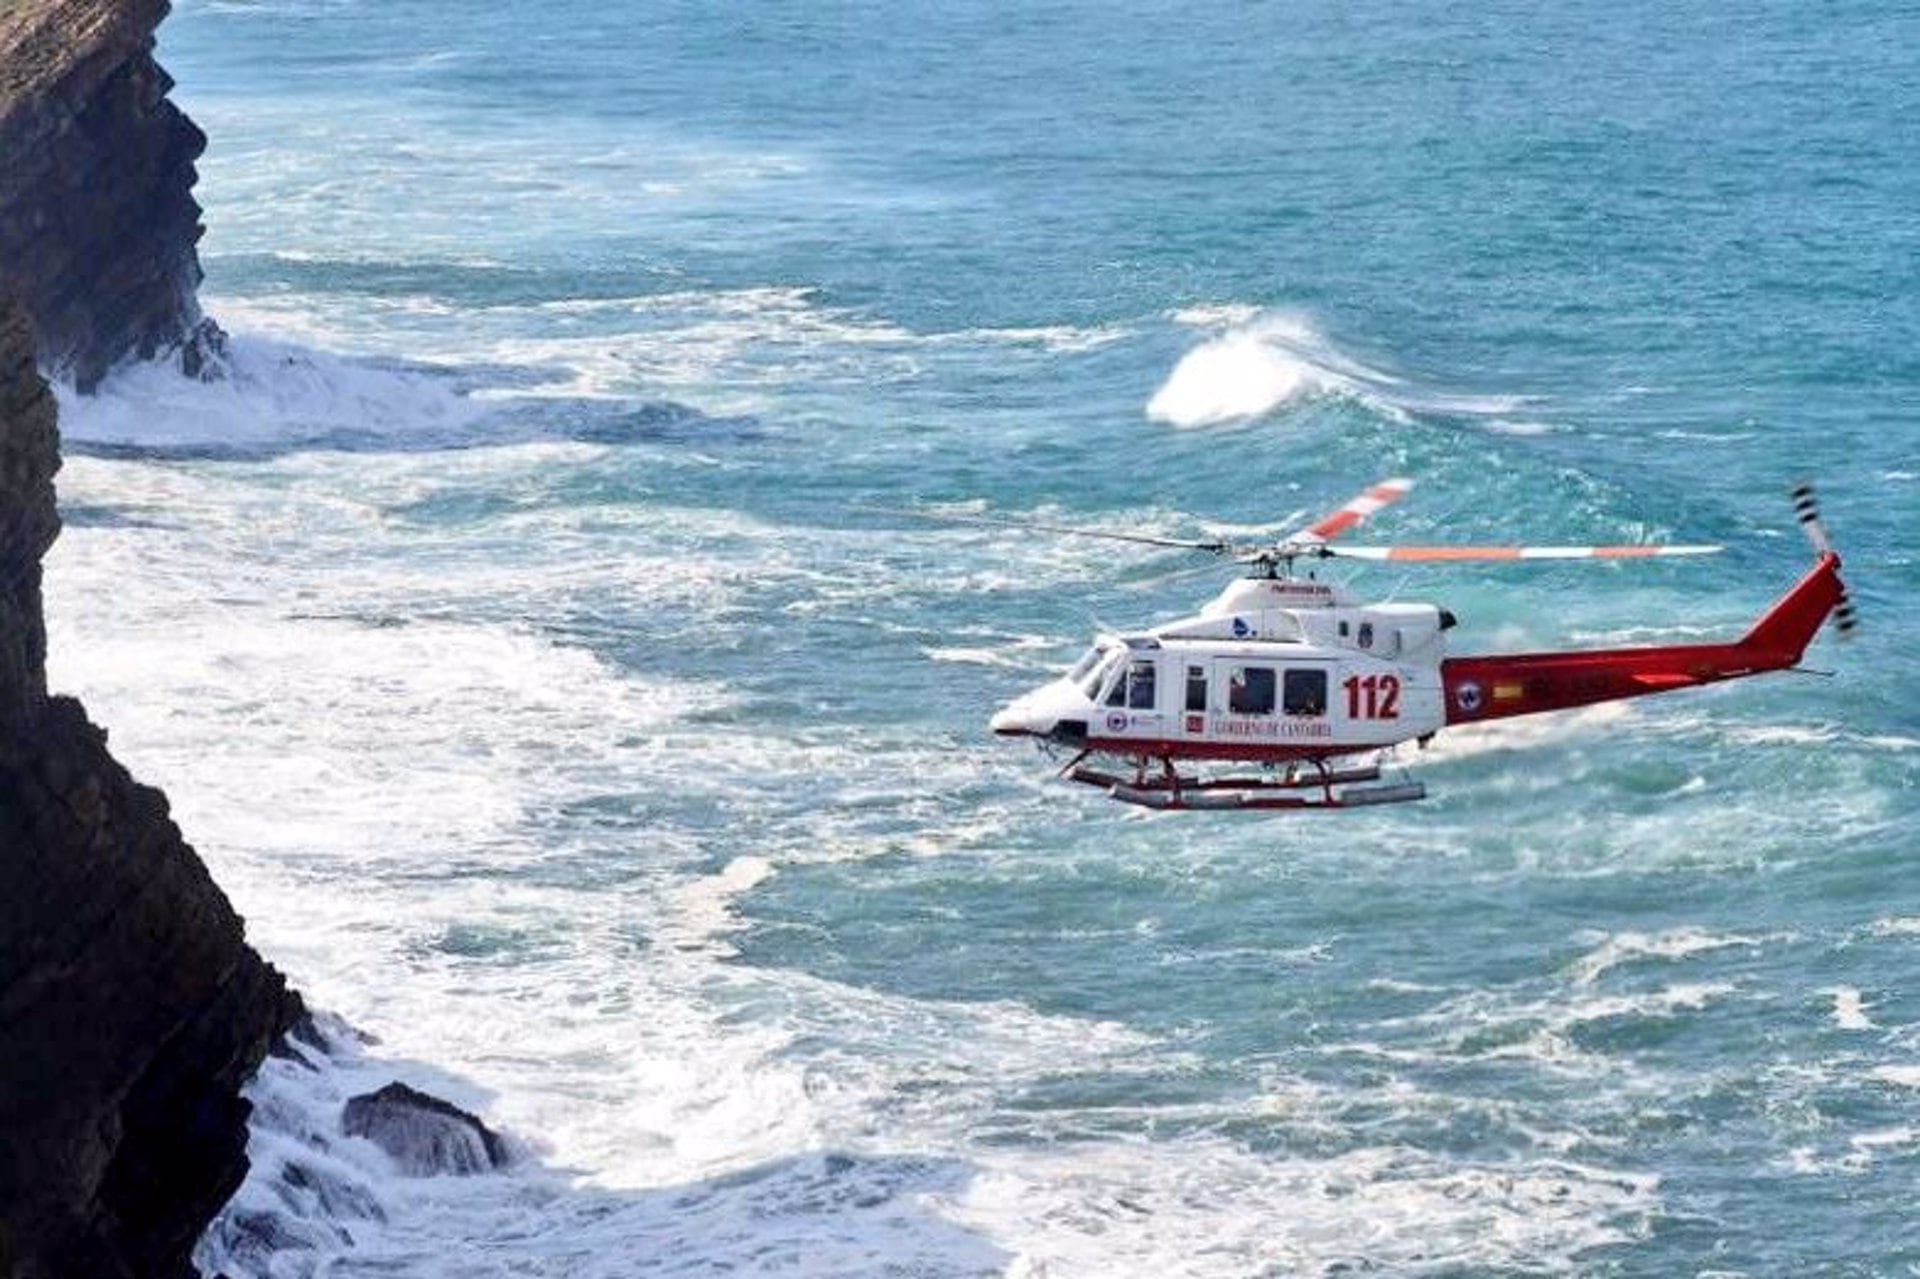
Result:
pixel 273 399
pixel 320 1202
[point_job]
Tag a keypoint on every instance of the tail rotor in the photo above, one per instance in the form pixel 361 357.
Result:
pixel 1806 508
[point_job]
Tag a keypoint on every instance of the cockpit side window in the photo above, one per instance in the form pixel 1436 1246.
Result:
pixel 1140 684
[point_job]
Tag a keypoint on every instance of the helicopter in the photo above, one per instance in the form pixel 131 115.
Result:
pixel 1300 678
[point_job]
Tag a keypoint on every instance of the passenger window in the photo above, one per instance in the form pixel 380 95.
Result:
pixel 1196 688
pixel 1305 693
pixel 1366 635
pixel 1250 690
pixel 1140 685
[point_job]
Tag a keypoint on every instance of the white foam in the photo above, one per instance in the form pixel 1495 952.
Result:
pixel 1248 371
pixel 1662 634
pixel 986 657
pixel 1055 339
pixel 1783 734
pixel 1885 1139
pixel 1632 947
pixel 316 1203
pixel 270 393
pixel 1221 315
pixel 1257 361
pixel 1466 741
pixel 1849 1013
pixel 701 911
pixel 722 348
pixel 1706 437
pixel 1077 1211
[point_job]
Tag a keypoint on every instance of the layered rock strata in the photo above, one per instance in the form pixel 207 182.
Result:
pixel 131 1008
pixel 98 225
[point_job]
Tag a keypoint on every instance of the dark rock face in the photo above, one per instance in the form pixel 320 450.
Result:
pixel 424 1135
pixel 29 455
pixel 131 1008
pixel 98 225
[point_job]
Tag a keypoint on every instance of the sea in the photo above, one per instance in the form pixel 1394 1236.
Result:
pixel 528 636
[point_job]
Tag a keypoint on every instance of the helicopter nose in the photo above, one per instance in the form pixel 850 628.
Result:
pixel 1040 713
pixel 1011 721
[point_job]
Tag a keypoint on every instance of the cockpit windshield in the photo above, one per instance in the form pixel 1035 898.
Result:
pixel 1084 667
pixel 1095 667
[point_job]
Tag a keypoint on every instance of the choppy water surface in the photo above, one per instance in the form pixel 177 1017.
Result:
pixel 512 639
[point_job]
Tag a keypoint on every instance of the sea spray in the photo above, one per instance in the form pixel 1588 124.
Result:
pixel 1255 366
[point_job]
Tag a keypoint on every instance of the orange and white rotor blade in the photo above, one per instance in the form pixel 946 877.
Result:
pixel 1437 553
pixel 1385 493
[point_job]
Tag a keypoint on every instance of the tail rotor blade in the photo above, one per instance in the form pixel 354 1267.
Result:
pixel 1844 617
pixel 1806 508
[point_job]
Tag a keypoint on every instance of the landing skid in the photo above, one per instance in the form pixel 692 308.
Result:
pixel 1308 784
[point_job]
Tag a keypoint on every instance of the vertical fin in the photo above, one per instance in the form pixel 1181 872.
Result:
pixel 1790 625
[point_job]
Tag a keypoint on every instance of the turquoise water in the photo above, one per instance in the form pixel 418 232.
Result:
pixel 514 641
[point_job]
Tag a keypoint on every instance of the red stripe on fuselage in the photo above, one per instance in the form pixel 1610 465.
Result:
pixel 1170 748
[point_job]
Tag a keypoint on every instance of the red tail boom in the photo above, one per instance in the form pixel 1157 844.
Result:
pixel 1498 686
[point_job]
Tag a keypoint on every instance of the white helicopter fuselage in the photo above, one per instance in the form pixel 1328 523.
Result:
pixel 1273 669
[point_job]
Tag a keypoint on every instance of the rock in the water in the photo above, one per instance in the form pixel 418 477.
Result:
pixel 98 225
pixel 424 1135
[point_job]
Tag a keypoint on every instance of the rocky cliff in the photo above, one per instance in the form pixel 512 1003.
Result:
pixel 98 224
pixel 131 1008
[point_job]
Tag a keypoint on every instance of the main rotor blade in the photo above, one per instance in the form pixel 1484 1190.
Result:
pixel 1217 548
pixel 1337 522
pixel 1433 553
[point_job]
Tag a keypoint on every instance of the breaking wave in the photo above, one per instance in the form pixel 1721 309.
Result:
pixel 1256 365
pixel 1255 362
pixel 269 394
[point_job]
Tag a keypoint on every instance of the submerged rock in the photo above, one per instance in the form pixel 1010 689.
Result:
pixel 423 1134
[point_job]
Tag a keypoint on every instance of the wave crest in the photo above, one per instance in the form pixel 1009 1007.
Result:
pixel 1257 362
pixel 1254 367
